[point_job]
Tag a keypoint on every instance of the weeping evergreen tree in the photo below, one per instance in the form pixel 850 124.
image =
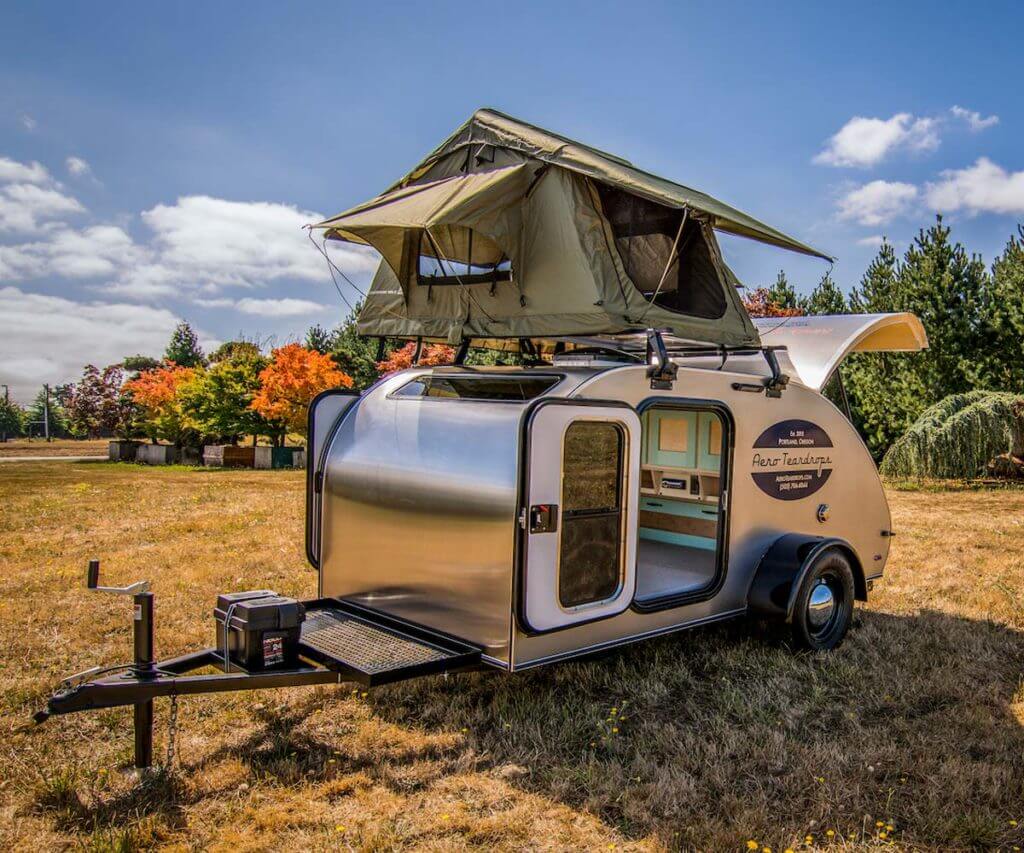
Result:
pixel 826 298
pixel 959 436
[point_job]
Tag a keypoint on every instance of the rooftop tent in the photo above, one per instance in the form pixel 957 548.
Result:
pixel 507 231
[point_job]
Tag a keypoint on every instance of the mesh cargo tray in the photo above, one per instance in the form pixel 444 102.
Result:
pixel 375 649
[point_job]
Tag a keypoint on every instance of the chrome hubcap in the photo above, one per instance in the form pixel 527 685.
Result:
pixel 820 606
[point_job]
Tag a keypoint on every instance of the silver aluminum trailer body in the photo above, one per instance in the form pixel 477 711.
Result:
pixel 426 502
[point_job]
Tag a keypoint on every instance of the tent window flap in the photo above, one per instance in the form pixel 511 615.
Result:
pixel 456 255
pixel 645 236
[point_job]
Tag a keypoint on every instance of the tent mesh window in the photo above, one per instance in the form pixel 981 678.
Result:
pixel 591 546
pixel 645 233
pixel 448 256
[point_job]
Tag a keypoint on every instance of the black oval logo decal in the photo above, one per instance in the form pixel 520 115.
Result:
pixel 792 460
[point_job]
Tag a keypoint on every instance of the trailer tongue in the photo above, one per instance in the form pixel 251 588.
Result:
pixel 272 642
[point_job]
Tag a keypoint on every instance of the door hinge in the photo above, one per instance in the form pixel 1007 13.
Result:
pixel 522 518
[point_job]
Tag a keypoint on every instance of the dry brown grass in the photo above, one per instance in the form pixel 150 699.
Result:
pixel 723 734
pixel 58 447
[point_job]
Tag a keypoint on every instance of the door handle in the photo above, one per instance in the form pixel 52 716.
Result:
pixel 543 518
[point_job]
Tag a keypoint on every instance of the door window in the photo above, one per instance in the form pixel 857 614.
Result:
pixel 590 563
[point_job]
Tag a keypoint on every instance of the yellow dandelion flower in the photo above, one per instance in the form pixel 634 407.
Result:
pixel 879 824
pixel 464 730
pixel 339 828
pixel 766 850
pixel 788 850
pixel 752 845
pixel 830 832
pixel 809 839
pixel 615 730
pixel 446 817
pixel 883 834
pixel 615 710
pixel 1013 823
pixel 364 694
pixel 889 827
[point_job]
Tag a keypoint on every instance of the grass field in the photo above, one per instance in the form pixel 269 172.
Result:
pixel 58 447
pixel 911 735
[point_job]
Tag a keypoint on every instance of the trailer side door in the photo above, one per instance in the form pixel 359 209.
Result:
pixel 578 518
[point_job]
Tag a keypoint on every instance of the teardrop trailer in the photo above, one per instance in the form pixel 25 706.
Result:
pixel 660 461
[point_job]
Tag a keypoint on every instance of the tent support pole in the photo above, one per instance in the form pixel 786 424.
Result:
pixel 462 351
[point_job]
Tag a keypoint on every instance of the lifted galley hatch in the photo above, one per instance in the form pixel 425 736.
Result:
pixel 817 345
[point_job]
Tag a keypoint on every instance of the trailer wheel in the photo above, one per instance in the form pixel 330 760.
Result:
pixel 824 604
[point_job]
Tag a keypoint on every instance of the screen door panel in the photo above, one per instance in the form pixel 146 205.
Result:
pixel 582 493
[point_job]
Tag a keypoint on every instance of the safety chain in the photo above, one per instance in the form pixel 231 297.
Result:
pixel 172 732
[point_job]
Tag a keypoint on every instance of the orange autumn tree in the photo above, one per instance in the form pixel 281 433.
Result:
pixel 400 359
pixel 156 393
pixel 288 384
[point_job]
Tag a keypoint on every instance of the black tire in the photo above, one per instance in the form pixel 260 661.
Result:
pixel 816 626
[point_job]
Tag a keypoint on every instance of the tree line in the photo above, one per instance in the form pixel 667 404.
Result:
pixel 973 314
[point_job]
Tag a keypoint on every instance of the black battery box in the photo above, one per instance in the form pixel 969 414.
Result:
pixel 263 629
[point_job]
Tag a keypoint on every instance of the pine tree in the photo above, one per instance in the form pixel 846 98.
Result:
pixel 826 298
pixel 781 293
pixel 12 419
pixel 318 339
pixel 356 356
pixel 881 387
pixel 877 291
pixel 945 288
pixel 37 411
pixel 1003 319
pixel 183 348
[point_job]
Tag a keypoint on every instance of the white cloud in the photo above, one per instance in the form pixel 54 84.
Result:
pixel 50 339
pixel 280 307
pixel 97 251
pixel 873 241
pixel 29 197
pixel 877 202
pixel 11 171
pixel 77 167
pixel 24 207
pixel 864 141
pixel 974 120
pixel 985 187
pixel 206 244
pixel 28 122
pixel 285 307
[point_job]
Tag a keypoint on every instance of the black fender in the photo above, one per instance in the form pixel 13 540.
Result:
pixel 783 567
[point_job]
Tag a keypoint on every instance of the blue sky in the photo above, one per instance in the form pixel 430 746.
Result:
pixel 156 162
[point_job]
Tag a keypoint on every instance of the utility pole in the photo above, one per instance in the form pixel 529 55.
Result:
pixel 46 412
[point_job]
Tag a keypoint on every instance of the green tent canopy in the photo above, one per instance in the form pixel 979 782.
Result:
pixel 507 231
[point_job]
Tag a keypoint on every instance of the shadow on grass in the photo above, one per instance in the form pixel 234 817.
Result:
pixel 699 739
